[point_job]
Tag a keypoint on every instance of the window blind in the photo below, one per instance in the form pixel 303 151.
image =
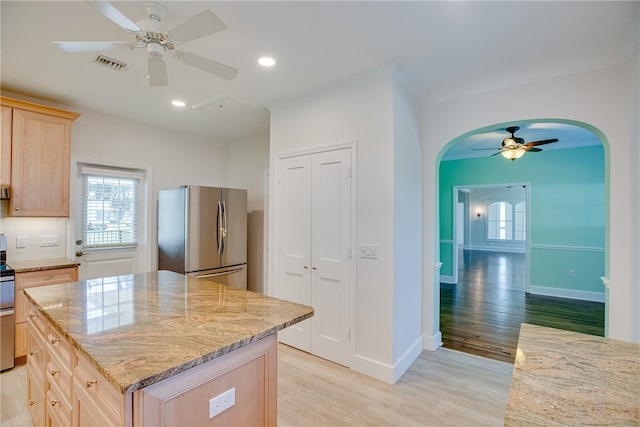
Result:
pixel 110 207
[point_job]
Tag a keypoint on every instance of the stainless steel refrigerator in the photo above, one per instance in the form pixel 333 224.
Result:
pixel 202 232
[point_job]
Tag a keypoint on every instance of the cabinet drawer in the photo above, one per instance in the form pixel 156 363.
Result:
pixel 36 322
pixel 58 409
pixel 60 346
pixel 36 357
pixel 46 277
pixel 96 387
pixel 35 400
pixel 59 376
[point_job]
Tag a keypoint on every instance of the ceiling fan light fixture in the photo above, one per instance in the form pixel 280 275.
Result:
pixel 513 153
pixel 178 103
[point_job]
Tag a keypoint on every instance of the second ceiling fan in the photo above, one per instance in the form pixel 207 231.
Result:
pixel 151 34
pixel 514 147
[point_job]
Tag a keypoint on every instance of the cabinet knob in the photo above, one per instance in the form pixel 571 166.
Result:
pixel 54 372
pixel 55 402
pixel 33 353
pixel 55 340
pixel 32 402
pixel 91 383
pixel 32 315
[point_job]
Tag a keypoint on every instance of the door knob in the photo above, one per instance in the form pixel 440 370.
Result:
pixel 79 242
pixel 80 253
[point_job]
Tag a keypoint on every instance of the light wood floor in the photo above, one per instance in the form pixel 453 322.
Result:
pixel 482 314
pixel 442 388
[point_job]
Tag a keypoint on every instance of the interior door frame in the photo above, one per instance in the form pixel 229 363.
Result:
pixel 273 273
pixel 527 198
pixel 147 219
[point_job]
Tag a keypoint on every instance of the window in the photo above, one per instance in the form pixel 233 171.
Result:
pixel 506 221
pixel 110 207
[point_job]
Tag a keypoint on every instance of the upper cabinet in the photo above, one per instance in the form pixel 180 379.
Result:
pixel 39 145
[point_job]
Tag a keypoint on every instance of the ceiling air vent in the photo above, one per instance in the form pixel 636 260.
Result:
pixel 111 63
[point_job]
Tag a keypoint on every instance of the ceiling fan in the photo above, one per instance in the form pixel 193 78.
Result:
pixel 151 34
pixel 514 147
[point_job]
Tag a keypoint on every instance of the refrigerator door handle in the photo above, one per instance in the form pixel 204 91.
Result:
pixel 224 226
pixel 219 228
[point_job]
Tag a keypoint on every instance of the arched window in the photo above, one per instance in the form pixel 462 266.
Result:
pixel 506 221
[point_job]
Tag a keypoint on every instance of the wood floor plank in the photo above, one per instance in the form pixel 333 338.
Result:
pixel 482 314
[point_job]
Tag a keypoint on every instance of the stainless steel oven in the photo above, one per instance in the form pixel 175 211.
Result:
pixel 7 316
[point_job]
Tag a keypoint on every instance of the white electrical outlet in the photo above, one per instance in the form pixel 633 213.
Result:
pixel 222 402
pixel 572 273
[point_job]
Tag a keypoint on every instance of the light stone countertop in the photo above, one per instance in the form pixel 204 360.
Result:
pixel 563 378
pixel 142 328
pixel 42 264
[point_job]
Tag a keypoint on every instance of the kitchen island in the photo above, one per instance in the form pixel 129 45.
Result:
pixel 563 378
pixel 154 349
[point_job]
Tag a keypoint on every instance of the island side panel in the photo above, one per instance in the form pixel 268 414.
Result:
pixel 184 399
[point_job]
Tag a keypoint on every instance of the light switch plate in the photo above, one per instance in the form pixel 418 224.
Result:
pixel 368 250
pixel 21 242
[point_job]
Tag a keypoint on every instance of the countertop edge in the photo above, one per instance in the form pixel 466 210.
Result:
pixel 42 264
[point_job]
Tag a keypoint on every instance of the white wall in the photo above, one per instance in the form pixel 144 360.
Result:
pixel 407 224
pixel 361 113
pixel 600 98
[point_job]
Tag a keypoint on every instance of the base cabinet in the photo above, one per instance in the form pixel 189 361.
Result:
pixel 64 388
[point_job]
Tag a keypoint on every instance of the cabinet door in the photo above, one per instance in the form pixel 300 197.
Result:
pixel 5 146
pixel 293 243
pixel 21 346
pixel 40 161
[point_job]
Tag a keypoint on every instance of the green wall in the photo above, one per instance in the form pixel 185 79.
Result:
pixel 566 211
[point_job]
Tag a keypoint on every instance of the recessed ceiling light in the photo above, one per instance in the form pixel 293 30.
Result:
pixel 266 61
pixel 178 103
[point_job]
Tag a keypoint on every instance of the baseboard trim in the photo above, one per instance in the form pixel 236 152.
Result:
pixel 567 293
pixel 496 249
pixel 447 279
pixel 432 342
pixel 385 372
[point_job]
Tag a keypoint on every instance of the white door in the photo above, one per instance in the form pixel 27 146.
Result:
pixel 331 236
pixel 313 230
pixel 293 245
pixel 116 259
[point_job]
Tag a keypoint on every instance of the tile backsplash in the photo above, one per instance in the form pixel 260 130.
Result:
pixel 34 238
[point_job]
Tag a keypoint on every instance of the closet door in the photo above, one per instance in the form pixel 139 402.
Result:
pixel 293 243
pixel 330 248
pixel 313 236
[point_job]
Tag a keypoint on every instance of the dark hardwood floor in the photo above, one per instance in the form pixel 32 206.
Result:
pixel 482 314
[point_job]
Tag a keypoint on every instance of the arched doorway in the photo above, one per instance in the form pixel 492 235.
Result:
pixel 566 251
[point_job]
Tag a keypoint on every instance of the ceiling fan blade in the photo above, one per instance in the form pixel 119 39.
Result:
pixel 501 150
pixel 544 141
pixel 93 46
pixel 108 10
pixel 208 65
pixel 200 25
pixel 532 149
pixel 478 149
pixel 157 71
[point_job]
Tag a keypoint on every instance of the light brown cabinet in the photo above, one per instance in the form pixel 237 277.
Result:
pixel 5 146
pixel 28 280
pixel 65 388
pixel 39 146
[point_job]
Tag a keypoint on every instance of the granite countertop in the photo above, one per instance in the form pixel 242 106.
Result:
pixel 42 264
pixel 142 328
pixel 565 378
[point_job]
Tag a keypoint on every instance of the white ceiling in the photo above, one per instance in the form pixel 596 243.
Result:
pixel 448 49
